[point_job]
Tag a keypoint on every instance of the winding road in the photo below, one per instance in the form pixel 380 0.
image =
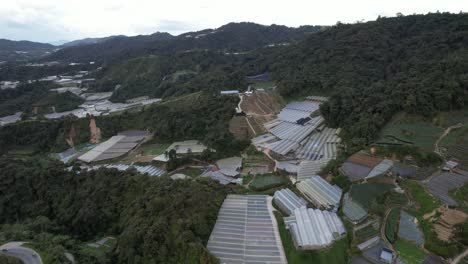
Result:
pixel 16 250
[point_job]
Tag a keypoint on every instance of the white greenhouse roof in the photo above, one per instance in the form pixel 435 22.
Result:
pixel 230 166
pixel 381 168
pixel 246 232
pixel 288 201
pixel 309 168
pixel 320 192
pixel 313 228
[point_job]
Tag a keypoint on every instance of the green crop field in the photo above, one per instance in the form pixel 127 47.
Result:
pixel 391 227
pixel 337 254
pixel 366 193
pixel 395 198
pixel 267 181
pixel 366 233
pixel 461 196
pixel 426 202
pixel 409 253
pixel 154 149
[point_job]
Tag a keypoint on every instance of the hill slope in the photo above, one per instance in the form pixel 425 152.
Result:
pixel 372 70
pixel 11 50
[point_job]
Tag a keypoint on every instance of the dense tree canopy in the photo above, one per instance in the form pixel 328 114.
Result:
pixel 155 220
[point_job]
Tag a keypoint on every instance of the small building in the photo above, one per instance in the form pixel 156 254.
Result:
pixel 450 165
pixel 386 255
pixel 321 193
pixel 230 92
pixel 313 228
pixel 287 201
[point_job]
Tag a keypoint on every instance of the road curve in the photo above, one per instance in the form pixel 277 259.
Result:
pixel 16 250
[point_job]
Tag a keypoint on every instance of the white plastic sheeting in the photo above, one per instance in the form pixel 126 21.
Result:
pixel 313 228
pixel 320 192
pixel 244 232
pixel 288 201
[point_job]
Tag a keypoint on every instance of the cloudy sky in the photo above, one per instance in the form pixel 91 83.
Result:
pixel 56 20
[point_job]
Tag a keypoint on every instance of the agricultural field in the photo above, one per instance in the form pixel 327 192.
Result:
pixel 460 195
pixel 366 233
pixel 408 252
pixel 267 181
pixel 256 163
pixel 337 254
pixel 192 172
pixel 426 202
pixel 412 130
pixel 391 227
pixel 153 149
pixel 395 198
pixel 366 193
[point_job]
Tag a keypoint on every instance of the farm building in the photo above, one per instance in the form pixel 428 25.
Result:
pixel 150 170
pixel 246 232
pixel 320 192
pixel 288 201
pixel 188 146
pixel 440 185
pixel 353 211
pixel 115 147
pixel 313 228
pixel 230 166
pixel 230 92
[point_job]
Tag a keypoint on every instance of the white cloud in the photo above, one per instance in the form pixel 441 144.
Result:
pixel 50 20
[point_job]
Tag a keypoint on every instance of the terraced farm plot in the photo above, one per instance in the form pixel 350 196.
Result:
pixel 366 233
pixel 420 134
pixel 426 202
pixel 395 198
pixel 366 193
pixel 391 227
pixel 153 149
pixel 409 253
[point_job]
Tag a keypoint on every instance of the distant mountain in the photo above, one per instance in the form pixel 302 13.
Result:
pixel 11 50
pixel 109 49
pixel 233 37
pixel 86 41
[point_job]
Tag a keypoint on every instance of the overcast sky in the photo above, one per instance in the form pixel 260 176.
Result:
pixel 55 20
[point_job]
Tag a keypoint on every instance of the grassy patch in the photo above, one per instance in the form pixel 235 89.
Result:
pixel 154 149
pixel 263 85
pixel 247 178
pixel 366 193
pixel 99 252
pixel 426 202
pixel 406 129
pixel 338 253
pixel 391 227
pixel 461 196
pixel 267 181
pixel 409 253
pixel 192 172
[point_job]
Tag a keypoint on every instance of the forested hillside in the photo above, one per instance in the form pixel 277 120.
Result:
pixel 200 116
pixel 11 50
pixel 155 220
pixel 232 37
pixel 372 70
